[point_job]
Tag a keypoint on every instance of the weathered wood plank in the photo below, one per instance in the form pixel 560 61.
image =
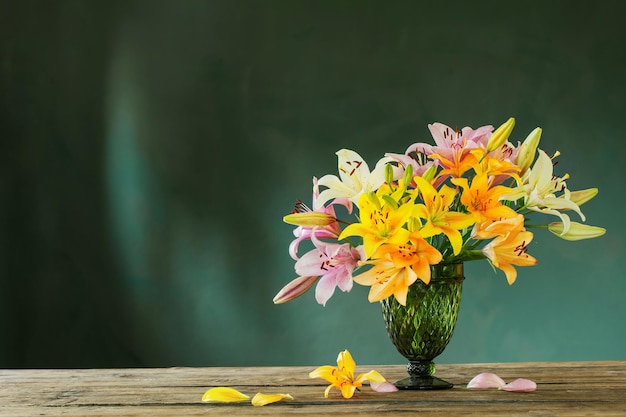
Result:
pixel 566 388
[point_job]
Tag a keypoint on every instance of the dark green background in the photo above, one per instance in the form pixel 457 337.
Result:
pixel 151 148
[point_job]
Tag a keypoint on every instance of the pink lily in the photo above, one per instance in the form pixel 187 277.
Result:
pixel 454 147
pixel 329 231
pixel 451 141
pixel 333 263
pixel 416 155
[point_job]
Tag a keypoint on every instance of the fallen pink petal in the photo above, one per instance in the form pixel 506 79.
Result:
pixel 486 380
pixel 520 385
pixel 383 387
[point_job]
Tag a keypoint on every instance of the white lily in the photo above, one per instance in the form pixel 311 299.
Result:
pixel 354 178
pixel 539 190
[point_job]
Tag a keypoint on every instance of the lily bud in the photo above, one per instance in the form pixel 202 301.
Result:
pixel 429 175
pixel 408 174
pixel 582 196
pixel 577 231
pixel 294 289
pixel 310 219
pixel 500 135
pixel 528 149
pixel 389 174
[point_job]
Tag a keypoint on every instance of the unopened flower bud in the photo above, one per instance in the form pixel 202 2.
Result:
pixel 577 231
pixel 310 219
pixel 582 196
pixel 527 150
pixel 500 135
pixel 294 289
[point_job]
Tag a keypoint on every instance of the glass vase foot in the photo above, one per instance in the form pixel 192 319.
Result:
pixel 422 383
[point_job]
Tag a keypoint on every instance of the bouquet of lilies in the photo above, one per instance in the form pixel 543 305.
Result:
pixel 469 196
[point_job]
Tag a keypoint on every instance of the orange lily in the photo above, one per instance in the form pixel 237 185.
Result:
pixel 461 162
pixel 495 167
pixel 482 200
pixel 510 248
pixel 396 267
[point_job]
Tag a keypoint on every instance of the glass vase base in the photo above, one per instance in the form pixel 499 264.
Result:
pixel 423 383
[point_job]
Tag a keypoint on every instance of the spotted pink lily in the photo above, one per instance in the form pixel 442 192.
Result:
pixel 326 231
pixel 453 147
pixel 331 263
pixel 417 157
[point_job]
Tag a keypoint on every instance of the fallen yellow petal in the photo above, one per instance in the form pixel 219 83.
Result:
pixel 225 395
pixel 261 399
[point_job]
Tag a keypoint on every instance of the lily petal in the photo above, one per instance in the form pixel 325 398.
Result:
pixel 520 385
pixel 486 380
pixel 224 395
pixel 383 386
pixel 261 399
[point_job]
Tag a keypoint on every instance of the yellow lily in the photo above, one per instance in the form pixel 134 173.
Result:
pixel 342 377
pixel 439 218
pixel 396 267
pixel 380 223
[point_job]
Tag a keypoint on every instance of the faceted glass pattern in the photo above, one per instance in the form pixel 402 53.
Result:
pixel 421 330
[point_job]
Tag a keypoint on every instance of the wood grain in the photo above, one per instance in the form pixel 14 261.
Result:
pixel 564 388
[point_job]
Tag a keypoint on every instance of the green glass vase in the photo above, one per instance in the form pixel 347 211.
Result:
pixel 422 329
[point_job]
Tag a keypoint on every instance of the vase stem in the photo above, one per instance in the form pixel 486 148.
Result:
pixel 421 377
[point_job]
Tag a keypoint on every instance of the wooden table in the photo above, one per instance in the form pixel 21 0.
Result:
pixel 563 388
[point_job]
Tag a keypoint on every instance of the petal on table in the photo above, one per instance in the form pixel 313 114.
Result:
pixel 261 399
pixel 225 395
pixel 486 380
pixel 520 385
